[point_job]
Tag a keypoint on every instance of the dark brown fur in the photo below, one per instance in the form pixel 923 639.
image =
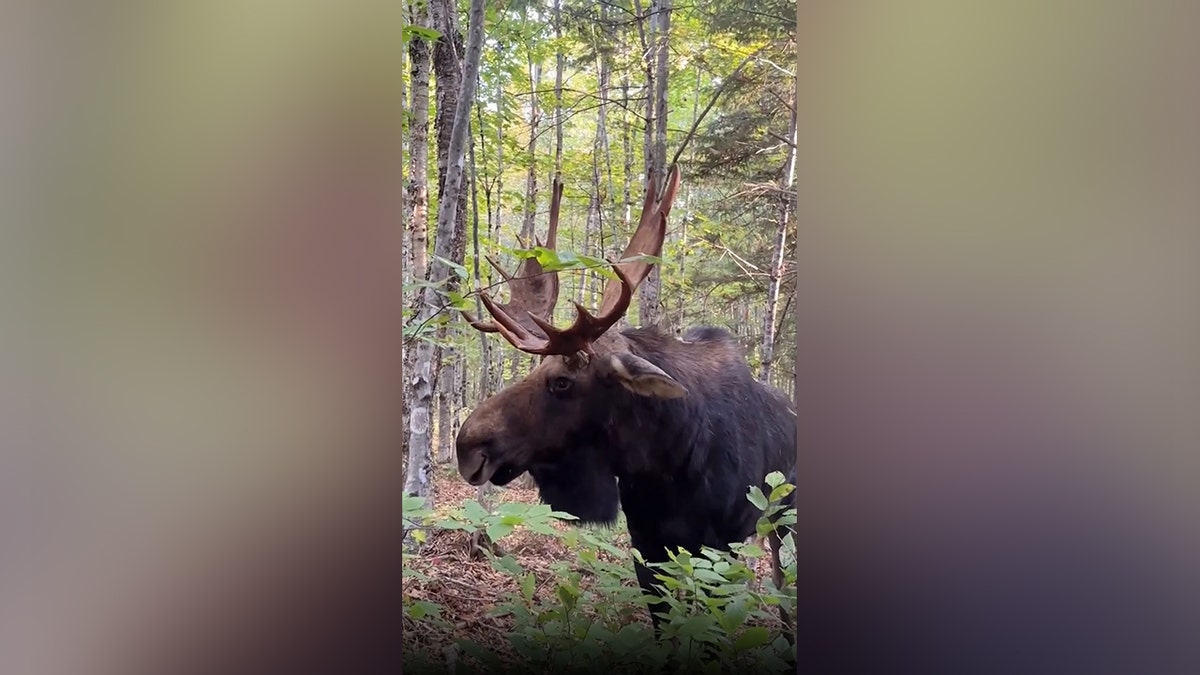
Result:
pixel 682 465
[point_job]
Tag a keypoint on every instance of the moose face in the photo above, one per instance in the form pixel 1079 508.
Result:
pixel 566 403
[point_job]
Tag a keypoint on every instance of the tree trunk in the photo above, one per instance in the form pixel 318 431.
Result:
pixel 448 69
pixel 445 438
pixel 418 188
pixel 417 480
pixel 770 316
pixel 627 150
pixel 493 228
pixel 485 376
pixel 531 183
pixel 649 301
pixel 593 228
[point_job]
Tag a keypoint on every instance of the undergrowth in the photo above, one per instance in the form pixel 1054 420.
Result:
pixel 713 624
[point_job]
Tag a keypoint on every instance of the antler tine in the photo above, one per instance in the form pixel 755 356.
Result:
pixel 587 327
pixel 505 275
pixel 482 326
pixel 646 240
pixel 512 330
pixel 555 208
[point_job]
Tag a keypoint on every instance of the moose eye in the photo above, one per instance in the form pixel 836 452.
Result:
pixel 560 384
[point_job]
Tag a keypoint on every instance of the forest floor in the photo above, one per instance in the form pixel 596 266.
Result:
pixel 466 585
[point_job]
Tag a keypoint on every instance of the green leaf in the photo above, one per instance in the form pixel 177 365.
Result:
pixel 459 270
pixel 695 625
pixel 757 498
pixel 774 479
pixel 510 565
pixel 567 595
pixel 512 509
pixel 498 531
pixel 598 265
pixel 458 301
pixel 629 638
pixel 736 612
pixel 410 31
pixel 651 259
pixel 781 491
pixel 754 636
pixel 412 503
pixel 751 551
pixel 474 511
pixel 541 528
pixel 528 585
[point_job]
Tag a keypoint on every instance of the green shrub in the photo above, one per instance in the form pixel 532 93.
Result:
pixel 714 617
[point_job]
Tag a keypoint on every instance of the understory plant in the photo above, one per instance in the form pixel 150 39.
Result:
pixel 592 619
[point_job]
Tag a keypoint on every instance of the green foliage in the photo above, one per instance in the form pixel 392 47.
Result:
pixel 410 31
pixel 713 624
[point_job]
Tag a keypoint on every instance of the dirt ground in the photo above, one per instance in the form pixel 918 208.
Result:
pixel 467 587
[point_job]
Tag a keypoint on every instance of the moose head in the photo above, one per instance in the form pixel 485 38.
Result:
pixel 555 421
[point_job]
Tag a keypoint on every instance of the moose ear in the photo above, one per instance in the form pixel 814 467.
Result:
pixel 644 378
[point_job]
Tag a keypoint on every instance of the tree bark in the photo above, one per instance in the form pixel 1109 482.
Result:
pixel 593 228
pixel 418 187
pixel 627 150
pixel 531 182
pixel 448 69
pixel 493 228
pixel 485 377
pixel 657 64
pixel 417 480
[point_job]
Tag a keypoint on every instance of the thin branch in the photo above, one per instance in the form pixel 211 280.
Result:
pixel 716 95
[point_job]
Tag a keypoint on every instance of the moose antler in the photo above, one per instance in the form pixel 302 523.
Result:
pixel 542 337
pixel 534 292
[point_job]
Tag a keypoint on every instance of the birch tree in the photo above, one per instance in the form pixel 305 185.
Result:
pixel 417 481
pixel 778 258
pixel 418 171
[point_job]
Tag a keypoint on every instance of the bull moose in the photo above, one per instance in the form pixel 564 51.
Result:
pixel 673 430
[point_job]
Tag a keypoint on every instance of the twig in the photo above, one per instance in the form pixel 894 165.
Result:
pixel 716 95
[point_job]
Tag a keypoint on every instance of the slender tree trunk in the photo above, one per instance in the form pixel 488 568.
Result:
pixel 406 277
pixel 445 406
pixel 418 186
pixel 447 68
pixel 417 480
pixel 770 316
pixel 627 150
pixel 485 376
pixel 531 182
pixel 494 227
pixel 558 92
pixel 649 293
pixel 594 225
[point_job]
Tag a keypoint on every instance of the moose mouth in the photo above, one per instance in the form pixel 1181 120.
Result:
pixel 499 474
pixel 506 474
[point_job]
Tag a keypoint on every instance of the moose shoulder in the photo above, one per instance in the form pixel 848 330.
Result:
pixel 671 431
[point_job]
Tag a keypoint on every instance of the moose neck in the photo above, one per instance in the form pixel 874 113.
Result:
pixel 652 436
